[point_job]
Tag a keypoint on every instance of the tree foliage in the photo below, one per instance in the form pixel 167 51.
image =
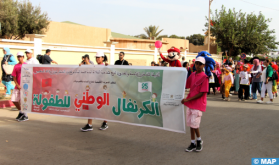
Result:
pixel 152 32
pixel 20 18
pixel 8 18
pixel 196 39
pixel 239 32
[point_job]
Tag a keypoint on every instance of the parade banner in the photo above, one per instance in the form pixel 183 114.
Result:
pixel 144 96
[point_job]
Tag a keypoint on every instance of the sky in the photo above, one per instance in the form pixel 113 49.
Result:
pixel 179 17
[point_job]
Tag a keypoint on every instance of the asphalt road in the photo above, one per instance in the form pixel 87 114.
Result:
pixel 233 133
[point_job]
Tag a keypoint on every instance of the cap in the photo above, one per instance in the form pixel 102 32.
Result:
pixel 173 49
pixel 100 54
pixel 20 54
pixel 28 51
pixel 246 66
pixel 229 68
pixel 200 59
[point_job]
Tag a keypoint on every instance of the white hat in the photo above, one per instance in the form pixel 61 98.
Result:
pixel 200 59
pixel 28 51
pixel 20 54
pixel 100 54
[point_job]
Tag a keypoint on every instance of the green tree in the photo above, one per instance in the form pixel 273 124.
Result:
pixel 196 39
pixel 8 18
pixel 239 32
pixel 20 18
pixel 31 20
pixel 152 32
pixel 175 36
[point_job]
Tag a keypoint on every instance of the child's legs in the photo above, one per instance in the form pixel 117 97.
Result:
pixel 17 104
pixel 16 98
pixel 247 92
pixel 193 132
pixel 90 121
pixel 227 89
pixel 240 92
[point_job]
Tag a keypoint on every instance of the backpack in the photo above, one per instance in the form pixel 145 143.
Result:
pixel 40 58
pixel 274 76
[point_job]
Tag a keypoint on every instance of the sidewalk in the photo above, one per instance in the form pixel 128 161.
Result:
pixel 233 133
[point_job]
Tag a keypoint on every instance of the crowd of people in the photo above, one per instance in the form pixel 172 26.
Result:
pixel 244 78
pixel 9 59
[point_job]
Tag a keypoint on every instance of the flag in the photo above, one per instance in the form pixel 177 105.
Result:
pixel 85 107
pixel 46 82
pixel 212 23
pixel 145 86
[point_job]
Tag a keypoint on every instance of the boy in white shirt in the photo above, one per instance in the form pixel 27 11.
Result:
pixel 30 59
pixel 244 78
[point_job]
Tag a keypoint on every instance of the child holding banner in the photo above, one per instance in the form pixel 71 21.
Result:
pixel 100 58
pixel 196 102
pixel 16 92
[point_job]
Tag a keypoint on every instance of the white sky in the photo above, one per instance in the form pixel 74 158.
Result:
pixel 180 17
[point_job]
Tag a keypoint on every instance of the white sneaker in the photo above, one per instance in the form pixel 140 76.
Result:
pixel 260 102
pixel 269 102
pixel 230 94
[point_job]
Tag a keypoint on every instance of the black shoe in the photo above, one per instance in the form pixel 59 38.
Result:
pixel 192 147
pixel 104 126
pixel 19 115
pixel 199 145
pixel 23 118
pixel 86 128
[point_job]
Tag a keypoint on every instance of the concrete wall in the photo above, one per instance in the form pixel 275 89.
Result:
pixel 195 49
pixel 176 43
pixel 66 33
pixel 137 44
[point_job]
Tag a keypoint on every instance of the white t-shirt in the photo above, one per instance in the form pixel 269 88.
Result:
pixel 244 77
pixel 32 61
pixel 211 78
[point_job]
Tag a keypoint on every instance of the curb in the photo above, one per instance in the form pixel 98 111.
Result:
pixel 6 104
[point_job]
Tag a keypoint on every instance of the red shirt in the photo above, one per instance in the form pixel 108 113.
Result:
pixel 197 83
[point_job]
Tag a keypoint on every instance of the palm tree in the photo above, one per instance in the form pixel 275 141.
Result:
pixel 152 32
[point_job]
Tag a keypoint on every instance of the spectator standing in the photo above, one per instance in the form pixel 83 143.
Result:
pixel 267 82
pixel 30 58
pixel 183 60
pixel 47 59
pixel 7 79
pixel 257 79
pixel 121 60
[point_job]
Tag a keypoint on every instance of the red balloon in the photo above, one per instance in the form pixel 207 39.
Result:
pixel 158 44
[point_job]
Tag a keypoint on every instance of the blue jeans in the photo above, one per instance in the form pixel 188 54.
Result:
pixel 9 86
pixel 256 86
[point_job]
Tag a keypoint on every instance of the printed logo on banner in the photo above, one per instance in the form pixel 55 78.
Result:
pixel 145 86
pixel 258 161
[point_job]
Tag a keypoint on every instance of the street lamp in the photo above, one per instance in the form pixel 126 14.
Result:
pixel 210 1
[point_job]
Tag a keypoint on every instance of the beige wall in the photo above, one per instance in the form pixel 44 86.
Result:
pixel 137 44
pixel 65 33
pixel 195 49
pixel 176 43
